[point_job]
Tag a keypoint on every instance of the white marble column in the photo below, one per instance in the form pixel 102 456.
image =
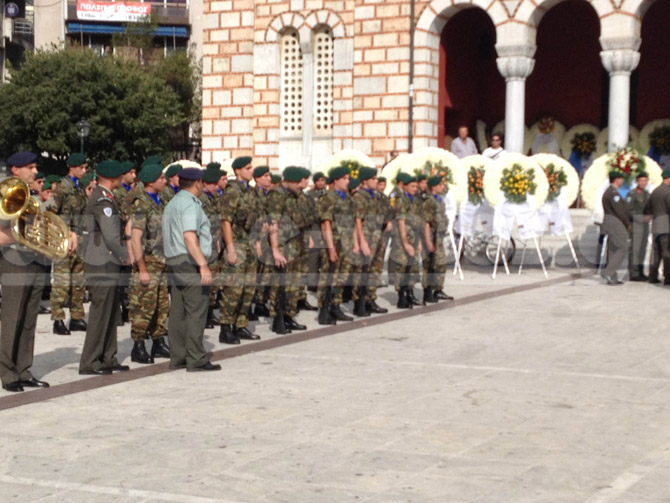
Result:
pixel 619 63
pixel 307 102
pixel 515 69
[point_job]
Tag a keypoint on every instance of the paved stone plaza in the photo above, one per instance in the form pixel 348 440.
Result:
pixel 523 390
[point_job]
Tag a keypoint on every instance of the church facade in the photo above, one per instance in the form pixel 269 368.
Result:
pixel 291 81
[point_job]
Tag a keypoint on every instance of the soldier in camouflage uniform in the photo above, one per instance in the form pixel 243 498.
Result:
pixel 308 245
pixel 369 216
pixel 290 217
pixel 316 252
pixel 69 201
pixel 433 212
pixel 240 210
pixel 336 215
pixel 377 265
pixel 149 299
pixel 638 213
pixel 123 199
pixel 262 249
pixel 406 241
pixel 172 187
pixel 211 205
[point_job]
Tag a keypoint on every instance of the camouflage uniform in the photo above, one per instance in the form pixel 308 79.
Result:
pixel 368 208
pixel 211 205
pixel 307 204
pixel 265 262
pixel 123 198
pixel 167 193
pixel 339 211
pixel 316 253
pixel 293 217
pixel 241 207
pixel 149 305
pixel 433 212
pixel 69 201
pixel 377 264
pixel 407 209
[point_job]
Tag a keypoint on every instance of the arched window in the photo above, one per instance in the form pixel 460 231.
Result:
pixel 291 84
pixel 323 81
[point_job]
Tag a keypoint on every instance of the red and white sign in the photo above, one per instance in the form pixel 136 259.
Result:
pixel 112 11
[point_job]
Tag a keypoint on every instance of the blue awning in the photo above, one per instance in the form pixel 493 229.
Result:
pixel 161 31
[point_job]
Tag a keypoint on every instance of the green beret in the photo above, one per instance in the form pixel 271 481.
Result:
pixel 292 174
pixel 109 169
pixel 172 170
pixel 260 171
pixel 152 159
pixel 241 162
pixel 150 173
pixel 434 180
pixel 126 166
pixel 329 180
pixel 666 173
pixel 52 179
pixel 410 179
pixel 214 165
pixel 75 159
pixel 421 177
pixel 403 177
pixel 276 179
pixel 643 174
pixel 615 174
pixel 212 175
pixel 353 183
pixel 85 180
pixel 318 175
pixel 338 172
pixel 367 173
pixel 305 173
pixel 381 178
pixel 39 175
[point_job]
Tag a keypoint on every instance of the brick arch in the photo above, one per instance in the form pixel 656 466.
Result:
pixel 531 13
pixel 640 7
pixel 281 22
pixel 328 18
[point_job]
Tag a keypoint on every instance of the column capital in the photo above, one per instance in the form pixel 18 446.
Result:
pixel 620 61
pixel 515 67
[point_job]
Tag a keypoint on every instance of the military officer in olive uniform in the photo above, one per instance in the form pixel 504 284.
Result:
pixel 637 202
pixel 616 225
pixel 149 300
pixel 240 209
pixel 106 252
pixel 69 202
pixel 434 259
pixel 659 206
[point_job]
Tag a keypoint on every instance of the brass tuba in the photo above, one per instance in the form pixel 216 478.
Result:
pixel 38 230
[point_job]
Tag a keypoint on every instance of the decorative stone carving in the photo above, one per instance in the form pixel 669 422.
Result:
pixel 620 62
pixel 515 67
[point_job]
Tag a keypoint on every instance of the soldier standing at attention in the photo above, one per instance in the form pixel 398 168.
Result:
pixel 69 202
pixel 172 187
pixel 315 253
pixel 105 254
pixel 308 237
pixel 149 299
pixel 377 265
pixel 240 209
pixel 637 202
pixel 188 246
pixel 212 208
pixel 617 226
pixel 659 205
pixel 264 269
pixel 435 229
pixel 335 212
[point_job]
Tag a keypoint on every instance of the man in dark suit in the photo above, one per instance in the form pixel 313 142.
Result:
pixel 104 255
pixel 616 225
pixel 659 204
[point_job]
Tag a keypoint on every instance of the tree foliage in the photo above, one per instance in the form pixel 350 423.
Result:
pixel 131 110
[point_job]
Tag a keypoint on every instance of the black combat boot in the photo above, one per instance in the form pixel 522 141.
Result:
pixel 160 348
pixel 77 326
pixel 336 312
pixel 411 297
pixel 303 305
pixel 139 353
pixel 261 310
pixel 440 295
pixel 403 301
pixel 244 333
pixel 428 296
pixel 226 335
pixel 212 320
pixel 374 308
pixel 60 328
pixel 291 324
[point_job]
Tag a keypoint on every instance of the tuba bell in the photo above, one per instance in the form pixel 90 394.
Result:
pixel 38 230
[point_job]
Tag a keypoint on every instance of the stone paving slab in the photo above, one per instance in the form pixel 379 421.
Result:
pixel 503 399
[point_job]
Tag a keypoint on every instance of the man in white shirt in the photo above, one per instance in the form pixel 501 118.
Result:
pixel 496 150
pixel 463 146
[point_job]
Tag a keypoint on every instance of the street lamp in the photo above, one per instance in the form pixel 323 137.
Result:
pixel 83 128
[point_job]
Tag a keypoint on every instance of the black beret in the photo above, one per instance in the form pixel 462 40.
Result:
pixel 212 175
pixel 367 173
pixel 21 159
pixel 191 174
pixel 75 159
pixel 150 173
pixel 260 171
pixel 241 162
pixel 318 175
pixel 109 169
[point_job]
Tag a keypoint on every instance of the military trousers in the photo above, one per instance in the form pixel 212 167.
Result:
pixel 435 278
pixel 639 238
pixel 100 344
pixel 617 242
pixel 22 280
pixel 337 275
pixel 239 285
pixel 377 265
pixel 289 280
pixel 68 283
pixel 405 268
pixel 661 252
pixel 188 313
pixel 149 304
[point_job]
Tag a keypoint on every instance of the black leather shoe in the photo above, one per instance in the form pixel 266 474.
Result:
pixel 44 310
pixel 292 324
pixel 374 308
pixel 440 295
pixel 98 372
pixel 404 302
pixel 303 305
pixel 119 368
pixel 160 348
pixel 14 387
pixel 429 296
pixel 261 310
pixel 60 328
pixel 139 353
pixel 339 315
pixel 77 326
pixel 226 335
pixel 243 333
pixel 207 366
pixel 347 294
pixel 33 383
pixel 251 315
pixel 412 298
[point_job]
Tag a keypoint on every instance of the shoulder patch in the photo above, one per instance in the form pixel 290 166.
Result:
pixel 617 199
pixel 108 211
